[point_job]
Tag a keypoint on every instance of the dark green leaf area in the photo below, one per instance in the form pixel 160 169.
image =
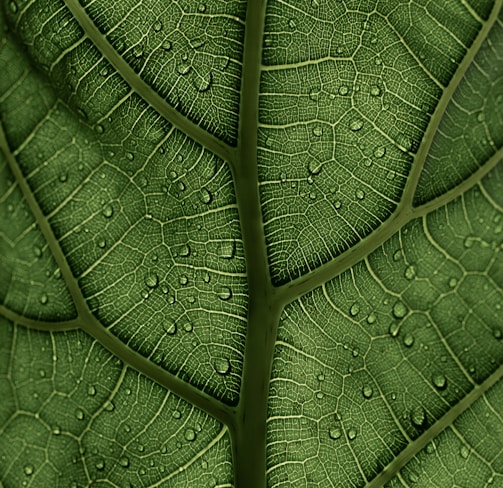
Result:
pixel 371 360
pixel 76 416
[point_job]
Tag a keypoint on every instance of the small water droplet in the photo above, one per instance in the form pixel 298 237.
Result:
pixel 468 242
pixel 399 310
pixel 188 327
pixel 157 26
pixel 360 194
pixel 371 318
pixel 166 45
pixel 37 251
pixel 497 333
pixel 439 380
pixel 100 465
pixel 292 24
pixel 394 328
pixel 222 366
pixel 203 83
pixel 320 395
pixel 379 152
pixel 227 249
pixel 108 211
pixel 185 251
pixel 44 299
pixel 183 280
pixel 190 435
pixel 91 390
pixel 176 414
pixel 206 277
pixel 375 91
pixel 418 416
pixel 408 340
pixel 225 293
pixel 318 131
pixel 129 156
pixel 102 243
pixel 170 327
pixel 152 280
pixel 124 462
pixel 352 434
pixel 397 256
pixel 465 452
pixel 109 406
pixel 138 51
pixel 410 272
pixel 28 470
pixel 79 414
pixel 202 7
pixel 321 377
pixel 205 196
pixel 356 125
pixel 99 129
pixel 334 433
pixel 343 90
pixel 354 310
pixel 367 391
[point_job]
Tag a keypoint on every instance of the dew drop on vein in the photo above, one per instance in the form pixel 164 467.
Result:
pixel 222 366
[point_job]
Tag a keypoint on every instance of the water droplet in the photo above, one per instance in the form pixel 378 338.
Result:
pixel 352 434
pixel 399 310
pixel 203 83
pixel 394 328
pixel 225 293
pixel 321 377
pixel 56 430
pixel 468 242
pixel 44 299
pixel 28 470
pixel 91 390
pixel 99 129
pixel 222 366
pixel 465 452
pixel 166 45
pixel 138 51
pixel 206 277
pixel 408 340
pixel 314 166
pixel 334 433
pixel 102 243
pixel 169 327
pixel 183 280
pixel 190 435
pixel 176 414
pixel 371 318
pixel 185 251
pixel 375 91
pixel 152 280
pixel 205 196
pixel 129 156
pixel 397 255
pixel 183 69
pixel 356 125
pixel 360 194
pixel 354 310
pixel 320 395
pixel 100 465
pixel 227 249
pixel 379 152
pixel 202 7
pixel 410 272
pixel 188 327
pixel 292 24
pixel 124 462
pixel 157 26
pixel 497 333
pixel 343 90
pixel 108 211
pixel 37 251
pixel 318 131
pixel 367 391
pixel 431 448
pixel 109 406
pixel 418 416
pixel 79 414
pixel 439 380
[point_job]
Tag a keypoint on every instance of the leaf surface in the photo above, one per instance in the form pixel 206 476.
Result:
pixel 251 244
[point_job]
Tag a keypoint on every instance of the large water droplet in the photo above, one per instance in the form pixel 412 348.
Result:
pixel 222 366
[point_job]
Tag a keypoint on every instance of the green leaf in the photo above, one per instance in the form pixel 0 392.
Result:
pixel 251 244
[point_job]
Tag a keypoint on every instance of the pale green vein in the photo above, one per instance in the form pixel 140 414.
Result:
pixel 135 81
pixel 39 324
